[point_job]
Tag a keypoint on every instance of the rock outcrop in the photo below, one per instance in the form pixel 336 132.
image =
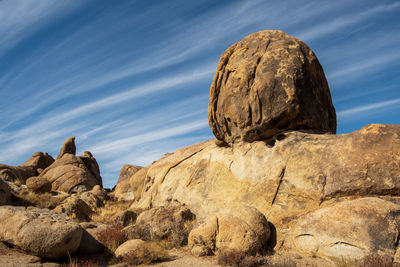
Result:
pixel 38 184
pixel 350 229
pixel 32 167
pixel 123 189
pixel 70 173
pixel 265 84
pixel 39 232
pixel 299 172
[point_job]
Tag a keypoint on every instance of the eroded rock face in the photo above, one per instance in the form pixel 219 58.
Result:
pixel 247 232
pixel 68 147
pixel 38 184
pixel 268 83
pixel 122 189
pixel 298 173
pixel 351 229
pixel 39 232
pixel 32 167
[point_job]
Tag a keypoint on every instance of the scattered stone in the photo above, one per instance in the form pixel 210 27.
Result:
pixel 39 232
pixel 268 83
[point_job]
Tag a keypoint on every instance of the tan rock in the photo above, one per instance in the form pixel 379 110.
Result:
pixel 28 169
pixel 297 173
pixel 75 208
pixel 248 232
pixel 128 247
pixel 268 83
pixel 38 184
pixel 123 190
pixel 68 147
pixel 172 223
pixel 350 229
pixel 39 232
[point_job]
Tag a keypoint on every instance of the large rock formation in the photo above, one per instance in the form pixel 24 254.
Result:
pixel 32 167
pixel 70 173
pixel 39 232
pixel 268 83
pixel 297 173
pixel 122 189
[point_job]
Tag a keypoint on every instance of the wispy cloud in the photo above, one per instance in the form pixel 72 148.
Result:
pixel 369 107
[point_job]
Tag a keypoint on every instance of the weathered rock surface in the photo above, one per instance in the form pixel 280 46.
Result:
pixel 68 147
pixel 70 173
pixel 39 232
pixel 38 184
pixel 129 247
pixel 123 189
pixel 246 232
pixel 351 229
pixel 299 172
pixel 89 243
pixel 171 222
pixel 268 83
pixel 5 192
pixel 125 218
pixel 32 167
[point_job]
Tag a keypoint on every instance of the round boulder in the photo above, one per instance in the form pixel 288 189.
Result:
pixel 268 83
pixel 38 184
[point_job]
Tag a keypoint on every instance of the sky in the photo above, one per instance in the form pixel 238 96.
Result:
pixel 130 78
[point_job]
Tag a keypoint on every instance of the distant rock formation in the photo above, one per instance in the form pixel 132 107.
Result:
pixel 123 190
pixel 32 167
pixel 268 83
pixel 70 173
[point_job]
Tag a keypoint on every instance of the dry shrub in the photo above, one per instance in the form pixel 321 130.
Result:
pixel 145 254
pixel 41 200
pixel 239 259
pixel 111 208
pixel 111 238
pixel 377 260
pixel 81 263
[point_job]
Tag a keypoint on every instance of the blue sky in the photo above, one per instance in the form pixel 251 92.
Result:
pixel 130 79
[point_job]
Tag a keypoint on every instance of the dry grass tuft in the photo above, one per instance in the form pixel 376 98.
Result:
pixel 111 208
pixel 81 263
pixel 145 254
pixel 41 200
pixel 239 259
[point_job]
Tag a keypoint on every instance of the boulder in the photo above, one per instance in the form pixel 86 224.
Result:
pixel 350 229
pixel 39 232
pixel 75 208
pixel 89 243
pixel 122 190
pixel 70 173
pixel 171 223
pixel 247 231
pixel 268 83
pixel 38 184
pixel 129 247
pixel 125 218
pixel 5 192
pixel 297 173
pixel 30 168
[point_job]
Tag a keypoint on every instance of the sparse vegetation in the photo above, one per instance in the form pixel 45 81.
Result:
pixel 239 259
pixel 111 208
pixel 41 200
pixel 112 238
